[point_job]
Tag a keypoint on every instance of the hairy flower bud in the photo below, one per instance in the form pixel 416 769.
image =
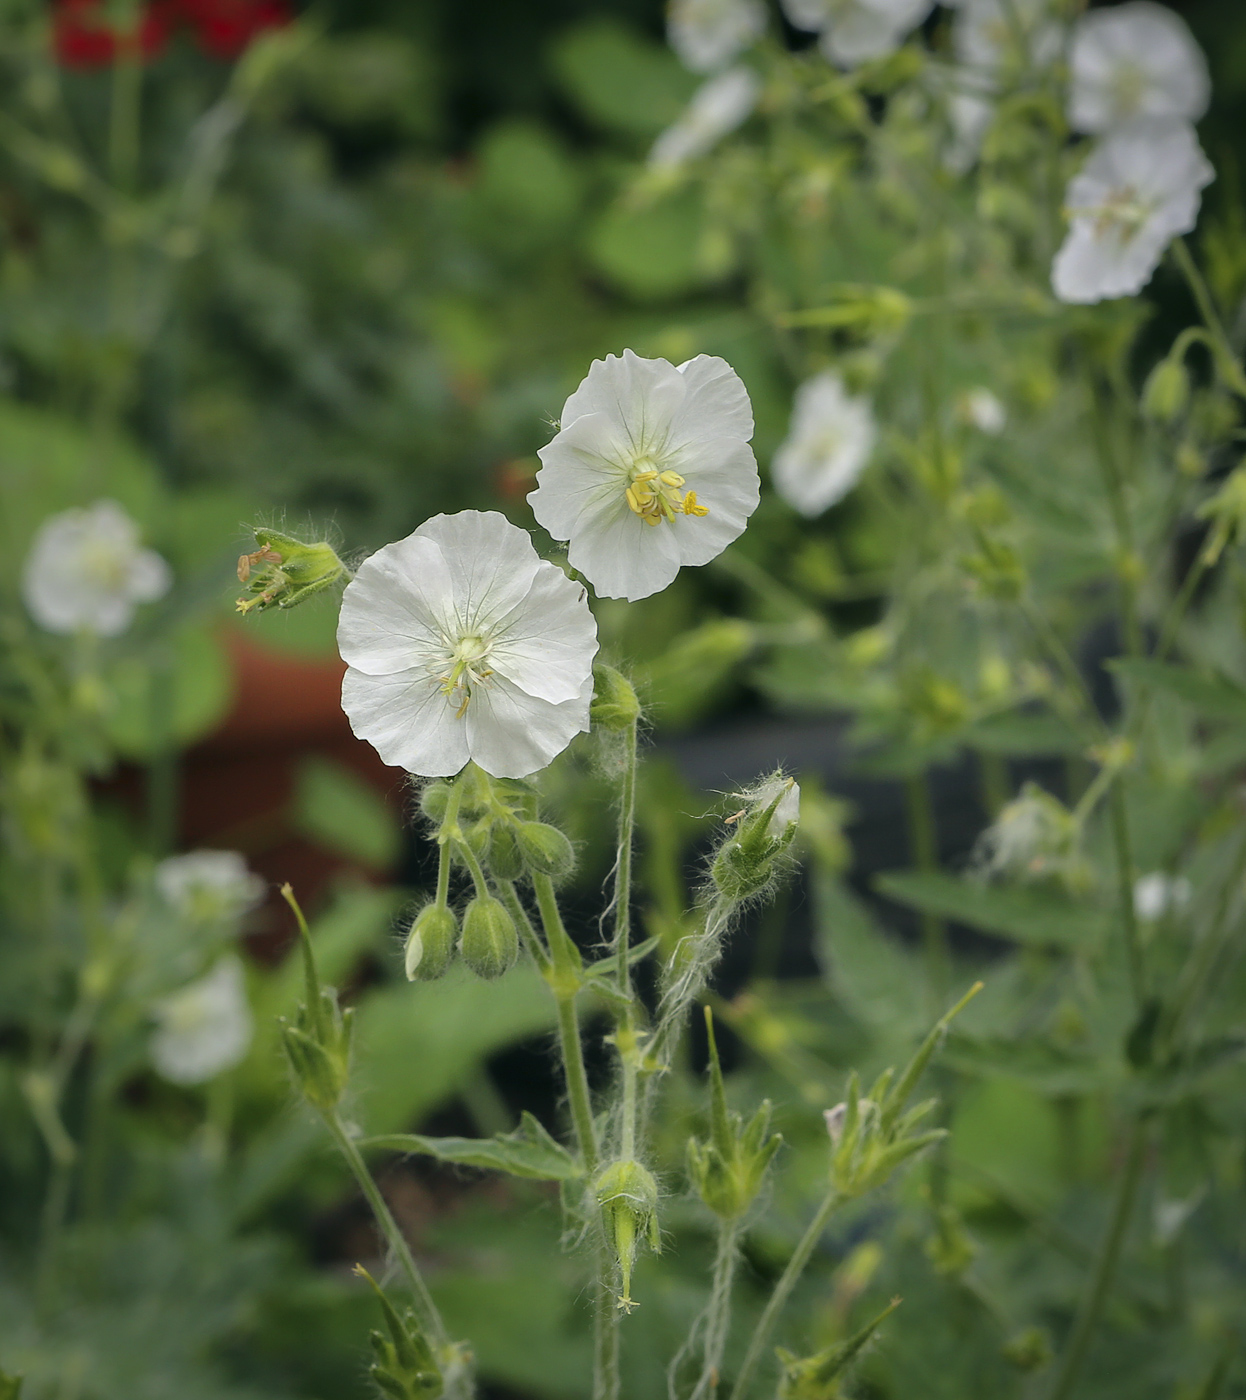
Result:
pixel 434 798
pixel 505 856
pixel 628 1196
pixel 746 862
pixel 404 1366
pixel 489 943
pixel 615 706
pixel 430 944
pixel 1166 394
pixel 284 572
pixel 545 849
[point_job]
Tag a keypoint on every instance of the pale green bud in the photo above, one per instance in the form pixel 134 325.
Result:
pixel 614 704
pixel 1166 394
pixel 628 1196
pixel 490 944
pixel 318 1049
pixel 816 1377
pixel 747 861
pixel 430 944
pixel 434 798
pixel 284 572
pixel 1028 1350
pixel 545 849
pixel 404 1366
pixel 505 856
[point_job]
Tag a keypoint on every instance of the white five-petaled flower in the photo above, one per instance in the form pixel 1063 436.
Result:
pixel 1138 191
pixel 716 109
pixel 651 470
pixel 461 644
pixel 87 572
pixel 1134 60
pixel 1156 893
pixel 205 1028
pixel 851 32
pixel 827 447
pixel 208 887
pixel 706 34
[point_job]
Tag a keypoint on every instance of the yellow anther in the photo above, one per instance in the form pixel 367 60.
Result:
pixel 691 507
pixel 672 479
pixel 645 476
pixel 655 496
pixel 633 501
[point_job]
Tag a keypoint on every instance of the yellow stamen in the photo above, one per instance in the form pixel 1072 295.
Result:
pixel 654 495
pixel 692 507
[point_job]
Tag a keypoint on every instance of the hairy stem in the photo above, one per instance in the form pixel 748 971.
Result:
pixel 718 1313
pixel 1125 891
pixel 1104 1271
pixel 623 866
pixel 782 1290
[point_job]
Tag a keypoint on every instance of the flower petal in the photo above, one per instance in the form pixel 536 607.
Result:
pixel 580 471
pixel 717 403
pixel 512 734
pixel 620 555
pixel 491 563
pixel 407 720
pixel 395 608
pixel 639 397
pixel 723 473
pixel 546 644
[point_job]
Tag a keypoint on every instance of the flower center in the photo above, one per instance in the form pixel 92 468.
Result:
pixel 655 495
pixel 107 566
pixel 467 668
pixel 1121 214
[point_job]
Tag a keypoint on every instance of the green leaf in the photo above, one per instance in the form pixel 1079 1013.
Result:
pixel 10 1386
pixel 1023 734
pixel 339 811
pixel 1047 1069
pixel 654 251
pixel 529 1151
pixel 1215 696
pixel 623 82
pixel 1041 917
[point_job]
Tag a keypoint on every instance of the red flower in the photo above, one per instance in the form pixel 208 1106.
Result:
pixel 83 37
pixel 224 28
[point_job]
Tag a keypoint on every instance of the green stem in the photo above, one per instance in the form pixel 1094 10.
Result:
pixel 576 1077
pixel 426 1309
pixel 791 1276
pixel 1101 1279
pixel 527 934
pixel 718 1312
pixel 1125 892
pixel 1114 489
pixel 606 1385
pixel 925 853
pixel 1225 356
pixel 623 866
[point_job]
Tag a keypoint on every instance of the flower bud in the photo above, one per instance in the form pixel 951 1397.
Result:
pixel 489 943
pixel 430 944
pixel 545 849
pixel 815 1377
pixel 318 1049
pixel 1166 394
pixel 505 857
pixel 404 1366
pixel 628 1196
pixel 614 706
pixel 747 862
pixel 284 572
pixel 434 798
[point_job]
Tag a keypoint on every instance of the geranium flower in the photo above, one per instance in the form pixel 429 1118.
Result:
pixel 205 1028
pixel 1135 60
pixel 83 35
pixel 86 572
pixel 706 34
pixel 827 446
pixel 224 28
pixel 1137 192
pixel 208 887
pixel 461 644
pixel 991 37
pixel 854 31
pixel 716 109
pixel 651 470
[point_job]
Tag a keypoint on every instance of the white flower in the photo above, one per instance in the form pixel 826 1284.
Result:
pixel 1155 894
pixel 982 410
pixel 717 108
pixel 854 31
pixel 992 37
pixel 829 442
pixel 1137 192
pixel 706 34
pixel 970 115
pixel 461 644
pixel 1135 60
pixel 209 886
pixel 651 470
pixel 205 1028
pixel 85 571
pixel 1031 838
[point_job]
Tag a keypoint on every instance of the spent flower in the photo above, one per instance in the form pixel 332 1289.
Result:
pixel 461 644
pixel 707 34
pixel 285 571
pixel 1134 60
pixel 1139 190
pixel 651 470
pixel 1031 838
pixel 205 1028
pixel 86 571
pixel 851 32
pixel 717 108
pixel 828 445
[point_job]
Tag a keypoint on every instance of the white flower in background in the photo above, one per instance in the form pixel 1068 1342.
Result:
pixel 86 572
pixel 461 644
pixel 651 470
pixel 982 410
pixel 1134 60
pixel 716 109
pixel 1137 192
pixel 706 34
pixel 1032 837
pixel 1156 894
pixel 992 37
pixel 828 444
pixel 209 886
pixel 205 1028
pixel 855 31
pixel 970 116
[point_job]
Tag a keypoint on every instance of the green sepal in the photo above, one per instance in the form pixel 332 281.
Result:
pixel 816 1377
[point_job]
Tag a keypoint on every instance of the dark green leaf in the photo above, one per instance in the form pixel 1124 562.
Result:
pixel 1214 696
pixel 529 1151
